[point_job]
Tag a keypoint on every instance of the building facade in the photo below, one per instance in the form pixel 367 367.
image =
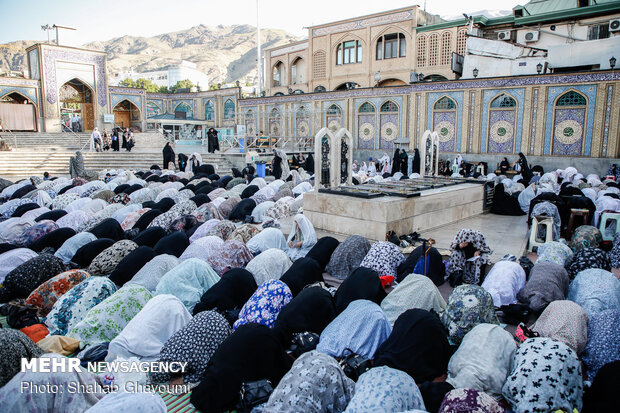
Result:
pixel 66 82
pixel 374 50
pixel 169 76
pixel 551 116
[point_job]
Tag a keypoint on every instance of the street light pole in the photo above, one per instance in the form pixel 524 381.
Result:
pixel 258 55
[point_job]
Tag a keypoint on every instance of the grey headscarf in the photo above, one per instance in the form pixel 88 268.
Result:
pixel 347 256
pixel 315 383
pixel 548 282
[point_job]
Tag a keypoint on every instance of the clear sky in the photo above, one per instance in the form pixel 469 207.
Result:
pixel 107 19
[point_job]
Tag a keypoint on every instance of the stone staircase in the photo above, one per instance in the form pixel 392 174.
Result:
pixel 36 153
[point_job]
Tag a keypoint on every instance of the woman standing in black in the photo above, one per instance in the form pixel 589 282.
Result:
pixel 168 155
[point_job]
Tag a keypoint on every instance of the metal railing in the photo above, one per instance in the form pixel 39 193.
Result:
pixel 11 132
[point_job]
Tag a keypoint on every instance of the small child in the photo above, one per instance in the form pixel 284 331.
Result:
pixel 46 176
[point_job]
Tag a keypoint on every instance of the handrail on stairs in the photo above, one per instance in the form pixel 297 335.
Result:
pixel 67 130
pixel 10 131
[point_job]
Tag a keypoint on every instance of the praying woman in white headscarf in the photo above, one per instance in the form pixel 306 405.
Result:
pixel 301 239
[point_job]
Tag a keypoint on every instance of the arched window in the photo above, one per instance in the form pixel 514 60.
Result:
pixel 302 123
pixel 334 110
pixel 334 117
pixel 571 98
pixel 274 123
pixel 570 124
pixel 461 42
pixel 320 89
pixel 445 121
pixel 319 65
pixel 446 48
pixel 391 46
pixel 502 127
pixel 250 124
pixel 445 103
pixel 503 101
pixel 278 71
pixel 421 51
pixel 209 111
pixel 229 109
pixel 389 106
pixel 152 109
pixel 367 107
pixel 184 107
pixel 433 50
pixel 349 52
pixel 298 71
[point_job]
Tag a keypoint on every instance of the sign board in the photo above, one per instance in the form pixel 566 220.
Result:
pixel 241 130
pixel 108 118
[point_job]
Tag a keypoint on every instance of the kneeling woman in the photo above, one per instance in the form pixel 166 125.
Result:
pixel 470 255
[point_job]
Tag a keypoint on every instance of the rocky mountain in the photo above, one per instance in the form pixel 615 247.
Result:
pixel 225 53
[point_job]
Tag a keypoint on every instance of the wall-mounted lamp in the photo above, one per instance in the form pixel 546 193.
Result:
pixel 612 62
pixel 475 72
pixel 539 67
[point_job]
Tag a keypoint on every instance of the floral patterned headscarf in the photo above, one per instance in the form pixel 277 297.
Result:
pixel 468 306
pixel 469 400
pixel 46 295
pixel 265 304
pixel 471 270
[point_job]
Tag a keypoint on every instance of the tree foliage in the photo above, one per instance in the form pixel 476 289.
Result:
pixel 142 83
pixel 182 84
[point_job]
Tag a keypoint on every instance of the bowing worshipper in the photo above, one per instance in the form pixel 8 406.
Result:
pixel 417 345
pixel 556 371
pixel 396 162
pixel 347 256
pixel 213 143
pixel 505 203
pixel 319 383
pixel 182 161
pixel 253 352
pixel 469 257
pixel 14 397
pixel 404 163
pixel 301 239
pixel 168 153
pixel 195 160
pixel 193 344
pixel 360 329
pixel 415 165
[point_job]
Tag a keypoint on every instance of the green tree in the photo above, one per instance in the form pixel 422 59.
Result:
pixel 213 86
pixel 147 85
pixel 127 82
pixel 163 89
pixel 182 84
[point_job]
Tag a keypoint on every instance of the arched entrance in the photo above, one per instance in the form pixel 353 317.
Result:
pixel 76 106
pixel 17 112
pixel 126 112
pixel 391 82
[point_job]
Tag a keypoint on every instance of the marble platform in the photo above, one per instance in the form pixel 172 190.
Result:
pixel 373 218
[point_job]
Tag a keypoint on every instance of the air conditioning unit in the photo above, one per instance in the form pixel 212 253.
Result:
pixel 614 25
pixel 531 36
pixel 505 35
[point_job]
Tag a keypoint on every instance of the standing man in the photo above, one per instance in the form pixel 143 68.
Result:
pixel 78 120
